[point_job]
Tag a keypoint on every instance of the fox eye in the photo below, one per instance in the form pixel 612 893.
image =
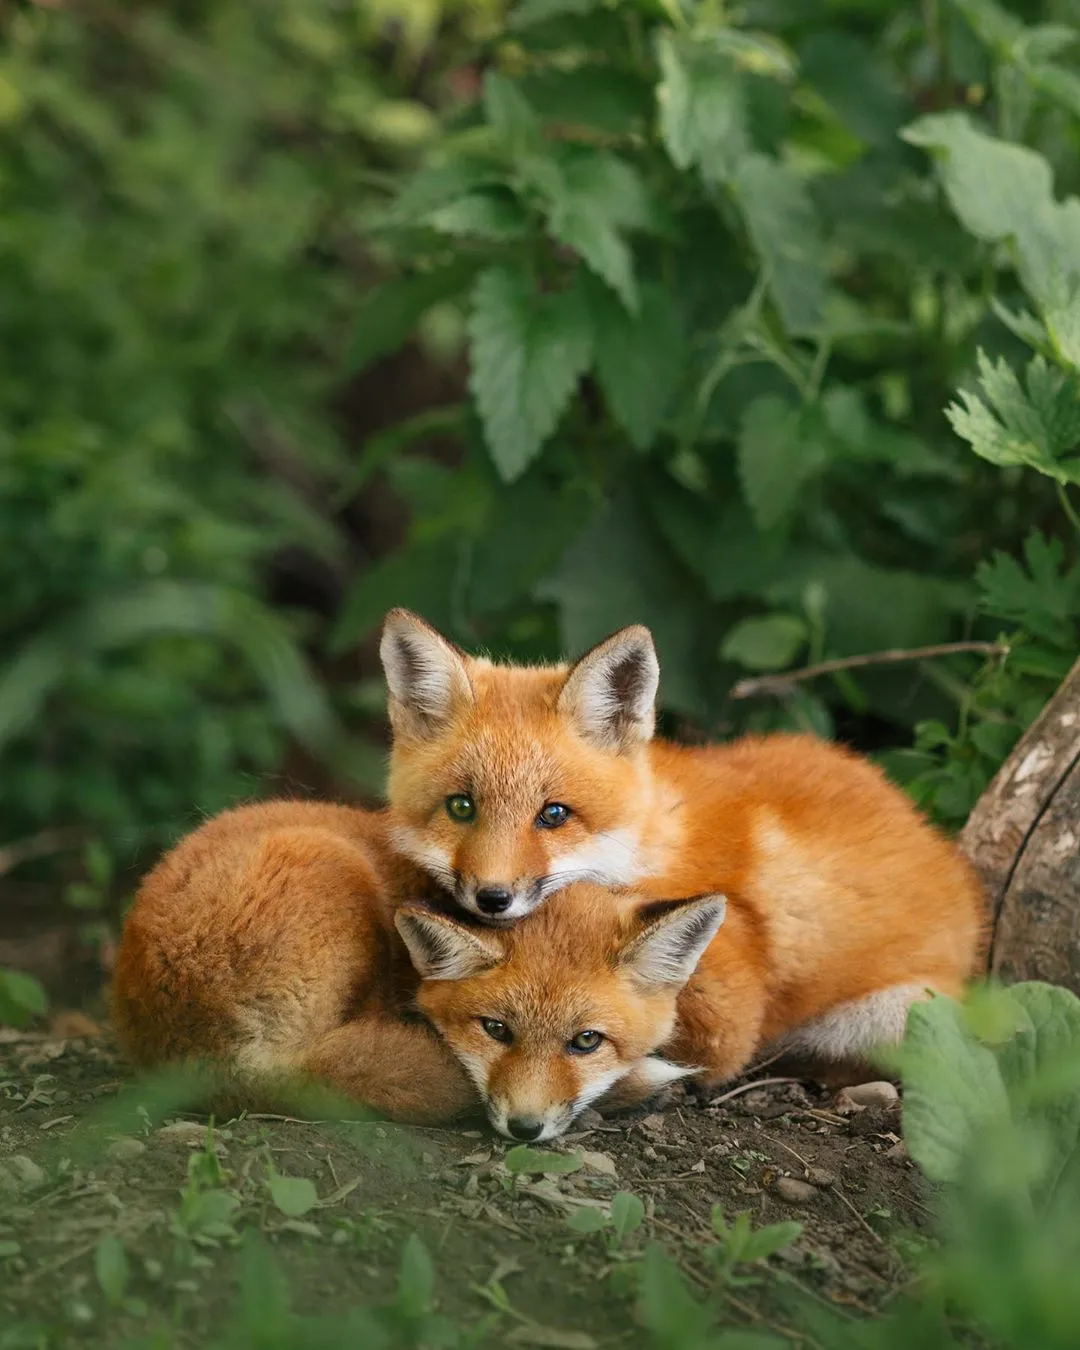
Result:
pixel 553 815
pixel 461 807
pixel 498 1031
pixel 585 1042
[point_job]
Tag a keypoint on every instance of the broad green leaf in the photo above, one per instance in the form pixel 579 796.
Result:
pixel 528 352
pixel 509 113
pixel 111 1268
pixel 765 644
pixel 627 1213
pixel 763 1242
pixel 422 577
pixel 640 361
pixel 784 230
pixel 587 1221
pixel 294 1196
pixel 538 11
pixel 779 451
pixel 953 1088
pixel 1003 192
pixel 991 24
pixel 1035 423
pixel 702 112
pixel 393 309
pixel 600 245
pixel 598 97
pixel 416 1279
pixel 668 1309
pixel 210 1214
pixel 524 1159
pixel 856 83
pixel 483 215
pixel 21 998
pixel 1044 597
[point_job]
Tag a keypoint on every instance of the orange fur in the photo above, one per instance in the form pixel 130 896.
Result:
pixel 264 943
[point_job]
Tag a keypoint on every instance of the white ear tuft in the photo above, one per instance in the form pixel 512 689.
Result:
pixel 665 954
pixel 611 692
pixel 442 949
pixel 425 674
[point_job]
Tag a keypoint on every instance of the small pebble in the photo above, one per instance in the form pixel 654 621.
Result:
pixel 125 1149
pixel 794 1191
pixel 820 1176
pixel 867 1094
pixel 183 1132
pixel 590 1119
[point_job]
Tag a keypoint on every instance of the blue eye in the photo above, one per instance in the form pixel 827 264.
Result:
pixel 553 815
pixel 585 1042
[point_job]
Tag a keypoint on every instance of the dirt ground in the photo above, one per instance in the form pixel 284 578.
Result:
pixel 501 1244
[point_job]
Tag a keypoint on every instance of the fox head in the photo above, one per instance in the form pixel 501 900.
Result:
pixel 507 782
pixel 549 1015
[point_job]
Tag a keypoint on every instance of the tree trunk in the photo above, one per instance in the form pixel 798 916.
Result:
pixel 1024 838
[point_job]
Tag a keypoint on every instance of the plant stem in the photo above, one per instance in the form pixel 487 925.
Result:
pixel 1067 506
pixel 781 684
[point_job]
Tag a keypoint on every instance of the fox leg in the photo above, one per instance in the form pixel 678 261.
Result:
pixel 398 1069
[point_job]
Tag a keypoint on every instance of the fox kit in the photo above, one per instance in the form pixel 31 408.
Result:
pixel 264 944
pixel 509 783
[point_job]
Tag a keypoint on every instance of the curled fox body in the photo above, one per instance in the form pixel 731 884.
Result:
pixel 264 943
pixel 509 783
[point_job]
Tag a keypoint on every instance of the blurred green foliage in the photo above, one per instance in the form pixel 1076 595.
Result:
pixel 717 277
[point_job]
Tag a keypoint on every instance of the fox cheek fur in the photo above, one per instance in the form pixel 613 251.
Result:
pixel 503 744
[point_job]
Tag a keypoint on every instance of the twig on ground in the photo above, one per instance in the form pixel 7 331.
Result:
pixel 749 1087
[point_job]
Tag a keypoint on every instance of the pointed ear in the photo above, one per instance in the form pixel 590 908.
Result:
pixel 442 949
pixel 664 954
pixel 610 693
pixel 425 673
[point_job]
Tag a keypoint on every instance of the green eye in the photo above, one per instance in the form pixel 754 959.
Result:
pixel 585 1042
pixel 498 1031
pixel 553 815
pixel 461 808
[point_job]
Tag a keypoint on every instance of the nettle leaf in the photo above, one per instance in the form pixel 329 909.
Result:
pixel 510 114
pixel 528 353
pixel 1003 192
pixel 538 11
pixel 595 96
pixel 701 104
pixel 784 230
pixel 483 215
pixel 640 360
pixel 1011 424
pixel 770 643
pixel 779 451
pixel 600 245
pixel 1045 599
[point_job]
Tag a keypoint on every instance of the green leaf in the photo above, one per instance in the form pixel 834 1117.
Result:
pixel 765 644
pixel 627 1213
pixel 640 361
pixel 669 1311
pixel 586 1221
pixel 1044 598
pixel 702 112
pixel 525 1160
pixel 392 310
pixel 1004 192
pixel 483 215
pixel 509 113
pixel 764 1242
pixel 600 98
pixel 21 998
pixel 600 245
pixel 991 24
pixel 784 230
pixel 952 1088
pixel 423 578
pixel 780 450
pixel 528 353
pixel 111 1268
pixel 210 1214
pixel 416 1279
pixel 538 11
pixel 1008 423
pixel 294 1196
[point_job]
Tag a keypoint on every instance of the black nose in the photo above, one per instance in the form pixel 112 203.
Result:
pixel 525 1127
pixel 493 900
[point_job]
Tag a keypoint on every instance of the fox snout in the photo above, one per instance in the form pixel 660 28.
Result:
pixel 498 902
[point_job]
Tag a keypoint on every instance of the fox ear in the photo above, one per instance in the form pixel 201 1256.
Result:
pixel 610 693
pixel 425 673
pixel 442 949
pixel 665 953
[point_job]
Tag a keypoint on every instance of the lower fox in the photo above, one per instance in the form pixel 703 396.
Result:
pixel 264 945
